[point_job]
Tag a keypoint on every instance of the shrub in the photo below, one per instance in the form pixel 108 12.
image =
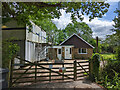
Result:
pixel 94 66
pixel 118 53
pixel 9 49
pixel 108 69
pixel 113 82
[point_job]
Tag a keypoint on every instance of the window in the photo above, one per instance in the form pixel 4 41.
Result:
pixel 79 50
pixel 70 51
pixel 82 51
pixel 59 51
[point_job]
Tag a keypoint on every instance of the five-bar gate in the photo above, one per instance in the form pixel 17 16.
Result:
pixel 28 73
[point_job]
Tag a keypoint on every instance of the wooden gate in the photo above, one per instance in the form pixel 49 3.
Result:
pixel 82 69
pixel 29 73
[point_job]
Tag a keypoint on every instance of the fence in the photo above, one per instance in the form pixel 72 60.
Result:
pixel 40 72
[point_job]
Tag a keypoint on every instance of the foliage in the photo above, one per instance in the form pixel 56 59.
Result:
pixel 118 53
pixel 9 49
pixel 113 40
pixel 108 56
pixel 110 44
pixel 57 35
pixel 110 74
pixel 41 13
pixel 23 11
pixel 112 65
pixel 117 32
pixel 79 28
pixel 95 62
pixel 117 23
pixel 113 83
pixel 61 36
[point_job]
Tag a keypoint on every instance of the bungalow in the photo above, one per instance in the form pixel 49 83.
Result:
pixel 32 44
pixel 72 48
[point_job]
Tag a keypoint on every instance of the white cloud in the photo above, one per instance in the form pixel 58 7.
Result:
pixel 63 21
pixel 112 1
pixel 100 27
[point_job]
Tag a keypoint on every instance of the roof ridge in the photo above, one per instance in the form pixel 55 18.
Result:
pixel 79 38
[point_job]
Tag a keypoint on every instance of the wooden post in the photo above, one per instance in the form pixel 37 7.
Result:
pixel 75 70
pixel 50 75
pixel 11 72
pixel 35 72
pixel 97 44
pixel 91 69
pixel 63 72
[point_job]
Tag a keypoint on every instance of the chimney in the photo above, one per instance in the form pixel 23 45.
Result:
pixel 79 34
pixel 97 44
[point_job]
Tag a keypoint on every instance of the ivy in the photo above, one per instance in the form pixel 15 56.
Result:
pixel 95 62
pixel 9 49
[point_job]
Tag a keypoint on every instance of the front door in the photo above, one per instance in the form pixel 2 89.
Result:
pixel 59 53
pixel 68 53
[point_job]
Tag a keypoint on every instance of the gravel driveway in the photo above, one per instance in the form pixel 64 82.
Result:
pixel 83 84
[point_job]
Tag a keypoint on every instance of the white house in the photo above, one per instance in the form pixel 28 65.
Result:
pixel 32 44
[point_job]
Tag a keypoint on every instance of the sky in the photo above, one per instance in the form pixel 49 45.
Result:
pixel 100 26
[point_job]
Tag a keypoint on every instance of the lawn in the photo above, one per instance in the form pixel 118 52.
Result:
pixel 108 56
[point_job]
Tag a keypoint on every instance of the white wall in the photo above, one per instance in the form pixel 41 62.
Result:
pixel 32 36
pixel 33 52
pixel 29 51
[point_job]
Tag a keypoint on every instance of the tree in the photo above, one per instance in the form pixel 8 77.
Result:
pixel 110 43
pixel 23 11
pixel 9 50
pixel 117 30
pixel 80 28
pixel 61 36
pixel 42 12
pixel 50 28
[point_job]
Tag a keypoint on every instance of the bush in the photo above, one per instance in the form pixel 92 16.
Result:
pixel 94 66
pixel 118 53
pixel 113 83
pixel 108 69
pixel 110 74
pixel 9 49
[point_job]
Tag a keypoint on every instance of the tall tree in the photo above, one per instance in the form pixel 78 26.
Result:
pixel 117 30
pixel 23 11
pixel 50 28
pixel 80 28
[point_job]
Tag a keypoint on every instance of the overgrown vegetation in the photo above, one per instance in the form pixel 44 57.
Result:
pixel 107 56
pixel 110 75
pixel 94 67
pixel 9 49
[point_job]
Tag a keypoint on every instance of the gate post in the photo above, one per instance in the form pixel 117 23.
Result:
pixel 35 72
pixel 11 72
pixel 75 70
pixel 90 68
pixel 63 72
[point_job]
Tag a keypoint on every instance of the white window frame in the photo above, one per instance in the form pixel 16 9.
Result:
pixel 81 50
